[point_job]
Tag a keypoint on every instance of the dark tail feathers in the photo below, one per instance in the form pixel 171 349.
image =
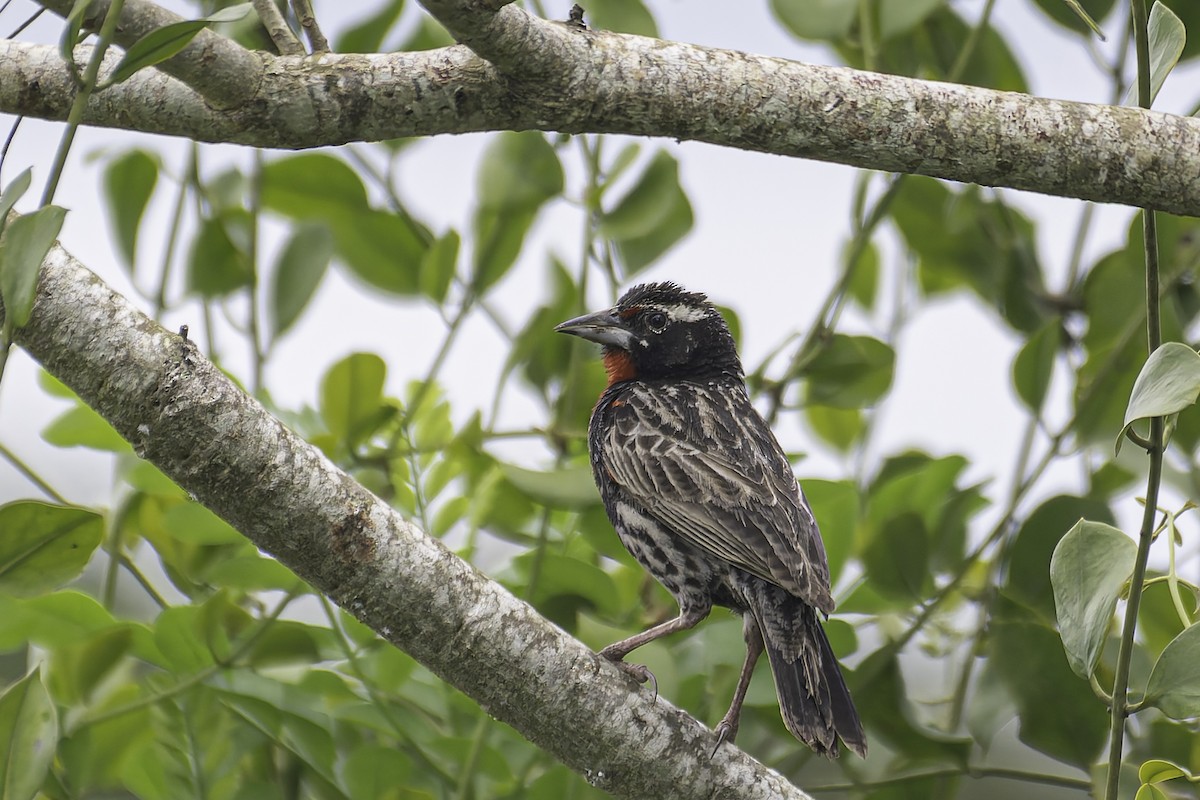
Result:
pixel 813 698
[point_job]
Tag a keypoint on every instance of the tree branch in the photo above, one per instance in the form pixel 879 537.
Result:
pixel 183 415
pixel 612 83
pixel 219 69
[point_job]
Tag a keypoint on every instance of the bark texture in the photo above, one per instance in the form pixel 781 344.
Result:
pixel 519 72
pixel 183 415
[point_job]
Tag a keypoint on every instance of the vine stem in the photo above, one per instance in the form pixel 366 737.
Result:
pixel 31 476
pixel 1120 696
pixel 88 84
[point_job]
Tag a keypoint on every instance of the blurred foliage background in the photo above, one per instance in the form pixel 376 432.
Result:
pixel 184 663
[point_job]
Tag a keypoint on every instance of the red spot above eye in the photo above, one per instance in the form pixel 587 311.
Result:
pixel 619 366
pixel 629 312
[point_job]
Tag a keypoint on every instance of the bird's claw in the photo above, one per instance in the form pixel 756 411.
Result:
pixel 638 672
pixel 726 730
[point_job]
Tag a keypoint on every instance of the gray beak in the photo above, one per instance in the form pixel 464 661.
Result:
pixel 603 327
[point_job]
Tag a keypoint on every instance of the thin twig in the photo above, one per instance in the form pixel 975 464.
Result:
pixel 308 22
pixel 31 476
pixel 282 35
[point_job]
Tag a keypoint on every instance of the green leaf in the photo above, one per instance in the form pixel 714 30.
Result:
pixel 1167 39
pixel 963 240
pixel 563 577
pixel 499 236
pixel 192 522
pixel 621 16
pixel 864 283
pixel 1174 685
pixel 991 707
pixel 1189 12
pixel 12 193
pixel 651 218
pixel 27 240
pixel 567 487
pixel 382 248
pixel 352 395
pixel 83 427
pixel 519 171
pixel 1028 576
pixel 218 263
pixel 45 546
pixel 312 186
pixel 850 372
pixel 897 17
pixel 367 36
pixel 372 770
pixel 281 713
pixel 251 572
pixel 28 737
pixel 932 49
pixel 897 560
pixel 52 620
pixel 162 43
pixel 184 636
pixel 429 35
pixel 816 19
pixel 155 47
pixel 1034 365
pixel 1168 383
pixel 129 182
pixel 648 204
pixel 1156 770
pixel 302 264
pixel 885 702
pixel 78 669
pixel 839 427
pixel 1058 713
pixel 439 265
pixel 1088 570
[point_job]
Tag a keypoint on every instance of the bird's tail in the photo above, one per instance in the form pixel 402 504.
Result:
pixel 813 698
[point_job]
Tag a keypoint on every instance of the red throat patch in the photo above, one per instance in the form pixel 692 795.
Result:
pixel 619 366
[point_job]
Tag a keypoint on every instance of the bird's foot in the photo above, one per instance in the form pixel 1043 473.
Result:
pixel 726 730
pixel 638 672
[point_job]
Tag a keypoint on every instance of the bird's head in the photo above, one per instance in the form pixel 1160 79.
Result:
pixel 658 330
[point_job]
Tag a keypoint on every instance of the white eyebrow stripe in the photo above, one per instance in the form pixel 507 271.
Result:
pixel 682 312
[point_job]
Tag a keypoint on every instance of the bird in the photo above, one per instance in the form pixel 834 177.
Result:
pixel 701 494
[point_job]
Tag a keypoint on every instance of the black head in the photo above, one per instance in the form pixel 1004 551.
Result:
pixel 658 330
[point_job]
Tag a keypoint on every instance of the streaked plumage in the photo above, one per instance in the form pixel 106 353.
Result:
pixel 700 492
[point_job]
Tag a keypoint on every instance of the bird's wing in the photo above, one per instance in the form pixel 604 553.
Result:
pixel 705 464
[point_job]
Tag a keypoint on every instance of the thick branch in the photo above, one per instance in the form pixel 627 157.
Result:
pixel 628 84
pixel 186 417
pixel 222 71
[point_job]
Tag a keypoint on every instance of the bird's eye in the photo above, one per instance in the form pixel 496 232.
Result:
pixel 657 321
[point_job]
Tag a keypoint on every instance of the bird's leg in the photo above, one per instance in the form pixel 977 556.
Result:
pixel 727 728
pixel 688 618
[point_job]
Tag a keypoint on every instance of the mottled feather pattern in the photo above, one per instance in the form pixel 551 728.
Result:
pixel 698 456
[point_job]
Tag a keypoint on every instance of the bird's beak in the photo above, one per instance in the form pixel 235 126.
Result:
pixel 603 327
